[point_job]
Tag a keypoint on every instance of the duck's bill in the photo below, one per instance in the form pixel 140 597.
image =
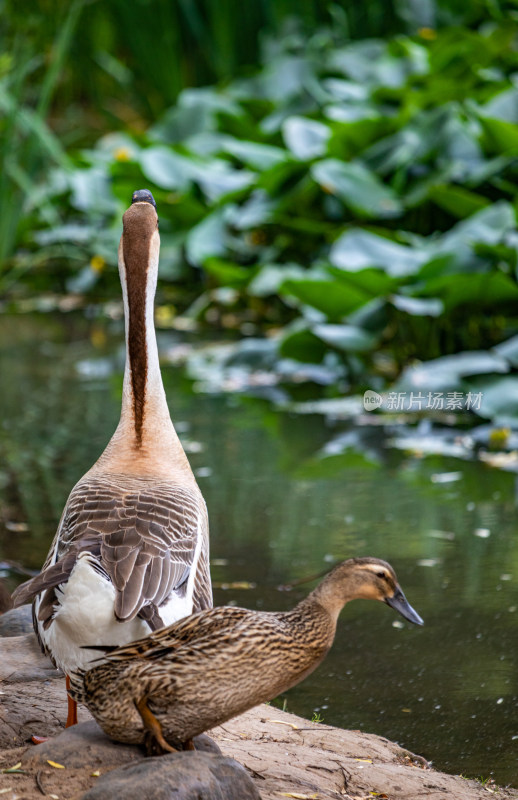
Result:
pixel 399 603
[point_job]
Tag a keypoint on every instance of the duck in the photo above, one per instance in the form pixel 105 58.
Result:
pixel 131 552
pixel 178 682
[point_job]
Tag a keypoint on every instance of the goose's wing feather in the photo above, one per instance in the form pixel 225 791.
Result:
pixel 202 596
pixel 146 541
pixel 47 579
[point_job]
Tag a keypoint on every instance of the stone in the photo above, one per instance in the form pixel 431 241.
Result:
pixel 16 622
pixel 81 745
pixel 86 745
pixel 6 601
pixel 21 660
pixel 33 698
pixel 204 744
pixel 177 776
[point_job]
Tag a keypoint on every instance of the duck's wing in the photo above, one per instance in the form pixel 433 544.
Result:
pixel 206 626
pixel 148 541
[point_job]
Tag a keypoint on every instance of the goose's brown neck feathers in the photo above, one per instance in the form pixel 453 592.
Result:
pixel 140 223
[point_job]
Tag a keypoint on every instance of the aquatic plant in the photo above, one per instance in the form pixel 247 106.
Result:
pixel 354 200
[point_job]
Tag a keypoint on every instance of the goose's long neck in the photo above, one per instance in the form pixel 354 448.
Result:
pixel 143 399
pixel 145 439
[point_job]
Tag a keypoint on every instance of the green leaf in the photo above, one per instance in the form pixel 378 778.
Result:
pixel 207 239
pixel 345 337
pixel 218 178
pixel 350 138
pixel 499 398
pixel 479 290
pixel 357 249
pixel 305 138
pixel 228 273
pixel 417 306
pixel 508 350
pixel 275 179
pixel 286 76
pixel 411 144
pixel 501 137
pixel 167 169
pixel 456 200
pixel 502 106
pixel 359 188
pixel 346 91
pixel 304 346
pixel 194 113
pixel 487 226
pixel 255 211
pixel 253 154
pixel 371 63
pixel 333 299
pixel 470 362
pixel 270 278
pixel 446 373
pixel 91 190
pixel 179 123
pixel 374 282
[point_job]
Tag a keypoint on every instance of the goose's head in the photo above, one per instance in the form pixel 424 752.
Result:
pixel 370 579
pixel 143 196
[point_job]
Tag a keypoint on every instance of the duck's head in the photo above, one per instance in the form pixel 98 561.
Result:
pixel 370 579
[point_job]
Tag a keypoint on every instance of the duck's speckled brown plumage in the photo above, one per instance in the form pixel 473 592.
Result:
pixel 209 667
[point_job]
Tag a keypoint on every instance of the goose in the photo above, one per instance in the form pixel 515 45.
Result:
pixel 131 552
pixel 203 670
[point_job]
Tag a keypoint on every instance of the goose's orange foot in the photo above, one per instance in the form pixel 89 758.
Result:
pixel 72 708
pixel 71 716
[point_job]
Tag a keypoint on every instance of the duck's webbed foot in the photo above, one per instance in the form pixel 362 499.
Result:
pixel 188 745
pixel 155 747
pixel 154 741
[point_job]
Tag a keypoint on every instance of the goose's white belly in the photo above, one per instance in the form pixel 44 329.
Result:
pixel 85 616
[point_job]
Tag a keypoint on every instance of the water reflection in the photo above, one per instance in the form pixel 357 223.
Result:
pixel 283 504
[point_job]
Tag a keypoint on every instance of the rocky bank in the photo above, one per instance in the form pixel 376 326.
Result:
pixel 264 753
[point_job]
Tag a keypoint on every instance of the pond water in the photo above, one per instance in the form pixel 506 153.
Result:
pixel 279 511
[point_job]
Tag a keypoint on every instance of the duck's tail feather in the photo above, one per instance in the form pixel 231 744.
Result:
pixel 103 648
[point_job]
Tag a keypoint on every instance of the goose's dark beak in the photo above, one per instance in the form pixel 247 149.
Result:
pixel 399 602
pixel 143 196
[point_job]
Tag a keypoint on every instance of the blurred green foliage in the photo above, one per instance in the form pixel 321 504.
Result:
pixel 354 197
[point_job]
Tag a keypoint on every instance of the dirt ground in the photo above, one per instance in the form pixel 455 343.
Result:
pixel 286 756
